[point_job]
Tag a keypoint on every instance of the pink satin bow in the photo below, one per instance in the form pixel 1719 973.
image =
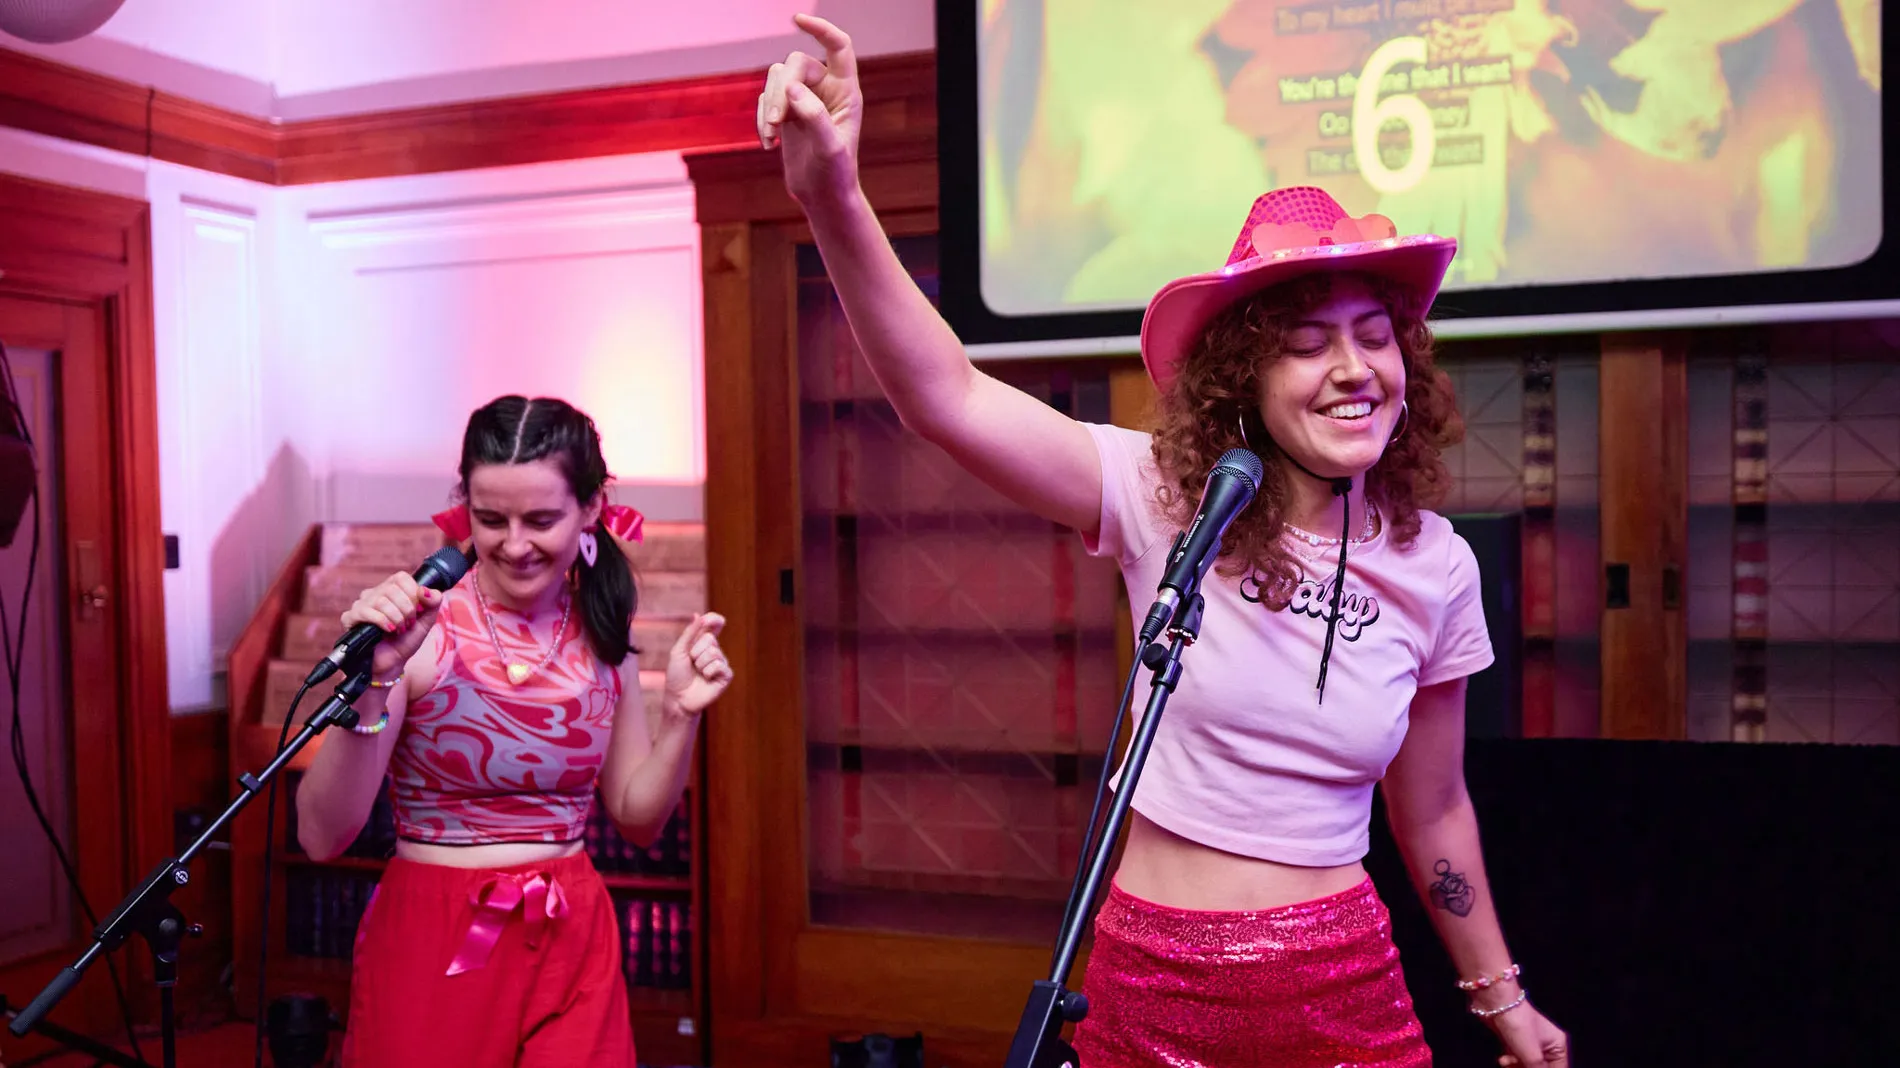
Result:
pixel 537 894
pixel 616 519
pixel 622 522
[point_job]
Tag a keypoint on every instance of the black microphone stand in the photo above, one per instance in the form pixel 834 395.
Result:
pixel 148 911
pixel 1038 1042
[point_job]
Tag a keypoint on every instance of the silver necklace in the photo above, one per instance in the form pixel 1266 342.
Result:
pixel 518 672
pixel 1319 542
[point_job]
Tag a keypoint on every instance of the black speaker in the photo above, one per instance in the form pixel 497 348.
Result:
pixel 299 1027
pixel 877 1051
pixel 1495 698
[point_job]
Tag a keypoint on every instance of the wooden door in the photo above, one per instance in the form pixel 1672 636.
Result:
pixel 75 318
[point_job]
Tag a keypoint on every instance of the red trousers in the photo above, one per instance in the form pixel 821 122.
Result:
pixel 547 990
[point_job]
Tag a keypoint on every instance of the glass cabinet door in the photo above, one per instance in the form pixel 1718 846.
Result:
pixel 960 657
pixel 1794 528
pixel 1524 494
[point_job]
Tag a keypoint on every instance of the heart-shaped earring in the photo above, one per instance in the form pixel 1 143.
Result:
pixel 590 547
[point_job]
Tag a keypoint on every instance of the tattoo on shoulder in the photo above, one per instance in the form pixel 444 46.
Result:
pixel 1451 892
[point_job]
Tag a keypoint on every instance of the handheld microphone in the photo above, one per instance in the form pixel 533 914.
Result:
pixel 1230 489
pixel 440 572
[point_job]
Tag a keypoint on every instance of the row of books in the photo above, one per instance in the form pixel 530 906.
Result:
pixel 377 839
pixel 658 938
pixel 323 907
pixel 670 855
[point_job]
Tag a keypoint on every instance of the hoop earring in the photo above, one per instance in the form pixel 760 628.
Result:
pixel 1404 424
pixel 1240 420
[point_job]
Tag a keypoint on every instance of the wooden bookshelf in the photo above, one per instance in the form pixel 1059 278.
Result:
pixel 290 630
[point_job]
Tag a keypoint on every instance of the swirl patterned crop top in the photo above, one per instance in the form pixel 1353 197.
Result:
pixel 484 760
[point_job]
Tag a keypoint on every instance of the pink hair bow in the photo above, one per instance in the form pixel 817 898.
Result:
pixel 455 523
pixel 539 897
pixel 622 522
pixel 617 519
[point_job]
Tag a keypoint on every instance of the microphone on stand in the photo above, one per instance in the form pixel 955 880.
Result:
pixel 440 572
pixel 1231 486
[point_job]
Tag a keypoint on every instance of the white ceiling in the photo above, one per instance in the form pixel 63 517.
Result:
pixel 307 58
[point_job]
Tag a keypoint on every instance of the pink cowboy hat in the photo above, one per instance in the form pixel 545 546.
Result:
pixel 1290 232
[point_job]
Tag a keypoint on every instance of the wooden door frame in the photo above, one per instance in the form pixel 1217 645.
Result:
pixel 1643 450
pixel 91 253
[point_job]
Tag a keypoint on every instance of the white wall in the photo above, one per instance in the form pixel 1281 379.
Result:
pixel 319 348
pixel 344 43
pixel 235 36
pixel 410 301
pixel 211 246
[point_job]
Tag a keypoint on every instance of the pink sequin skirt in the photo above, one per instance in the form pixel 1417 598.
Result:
pixel 1313 985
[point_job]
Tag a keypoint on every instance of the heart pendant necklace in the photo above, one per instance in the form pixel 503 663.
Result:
pixel 518 672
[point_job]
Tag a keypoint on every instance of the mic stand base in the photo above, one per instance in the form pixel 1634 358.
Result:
pixel 148 911
pixel 1038 1042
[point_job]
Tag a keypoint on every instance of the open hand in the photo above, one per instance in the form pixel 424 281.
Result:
pixel 812 110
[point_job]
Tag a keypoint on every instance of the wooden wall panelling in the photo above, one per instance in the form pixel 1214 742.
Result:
pixel 684 114
pixel 780 652
pixel 78 105
pixel 1643 463
pixel 899 173
pixel 693 113
pixel 744 592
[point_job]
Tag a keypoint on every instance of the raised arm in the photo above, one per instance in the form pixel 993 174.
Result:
pixel 1031 453
pixel 647 765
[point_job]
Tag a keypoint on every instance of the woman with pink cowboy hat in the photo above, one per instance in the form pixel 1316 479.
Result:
pixel 1240 927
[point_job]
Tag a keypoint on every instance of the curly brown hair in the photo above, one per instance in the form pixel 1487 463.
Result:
pixel 1198 418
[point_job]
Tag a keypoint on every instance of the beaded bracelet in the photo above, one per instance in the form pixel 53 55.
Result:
pixel 383 723
pixel 1473 985
pixel 1486 1014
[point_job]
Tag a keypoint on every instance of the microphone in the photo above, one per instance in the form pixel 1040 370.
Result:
pixel 1230 489
pixel 440 572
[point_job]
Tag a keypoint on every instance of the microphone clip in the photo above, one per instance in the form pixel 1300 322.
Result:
pixel 1186 624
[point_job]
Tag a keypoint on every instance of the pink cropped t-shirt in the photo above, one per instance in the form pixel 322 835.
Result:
pixel 1247 759
pixel 483 760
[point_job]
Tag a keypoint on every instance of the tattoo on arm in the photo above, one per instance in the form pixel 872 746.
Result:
pixel 1451 892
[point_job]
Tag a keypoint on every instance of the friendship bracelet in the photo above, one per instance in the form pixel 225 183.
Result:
pixel 380 726
pixel 1486 1014
pixel 390 685
pixel 1480 983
